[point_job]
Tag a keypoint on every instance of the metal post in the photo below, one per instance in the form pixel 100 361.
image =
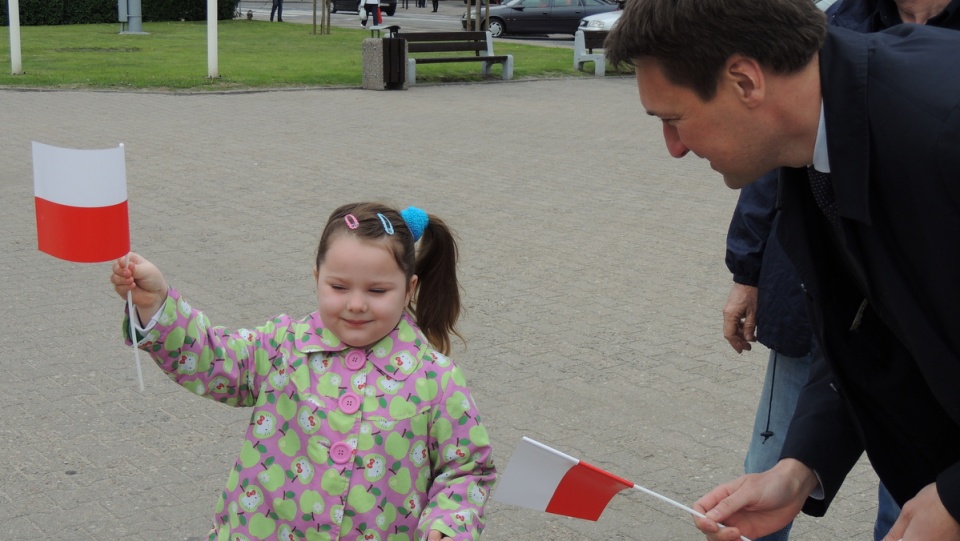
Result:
pixel 16 64
pixel 213 71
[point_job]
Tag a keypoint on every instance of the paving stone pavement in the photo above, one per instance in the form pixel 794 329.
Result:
pixel 592 265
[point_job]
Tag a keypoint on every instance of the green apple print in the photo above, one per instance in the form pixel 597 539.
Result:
pixel 457 405
pixel 286 407
pixel 251 498
pixel 313 534
pixel 458 376
pixel 383 348
pixel 418 454
pixel 360 499
pixel 333 483
pixel 365 440
pixel 318 449
pixel 196 387
pixel 412 503
pixel 404 362
pixel 359 383
pixel 311 502
pixel 249 455
pixel 303 469
pixel 371 402
pixel 187 364
pixel 382 422
pixel 262 526
pixel 329 385
pixel 389 385
pixel 442 429
pixel 398 537
pixel 341 422
pixel 445 503
pixel 386 518
pixel 300 377
pixel 476 494
pixel 290 443
pixel 423 480
pixel 374 467
pixel 219 384
pixel 405 332
pixel 234 515
pixel 319 362
pixel 479 436
pixel 370 535
pixel 419 424
pixel 401 408
pixel 286 510
pixel 279 379
pixel 427 389
pixel 308 420
pixel 329 338
pixel 264 425
pixel 439 358
pixel 336 515
pixel 401 482
pixel 272 478
pixel 397 446
pixel 455 453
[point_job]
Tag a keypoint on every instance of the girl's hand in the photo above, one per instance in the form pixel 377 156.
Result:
pixel 143 280
pixel 437 535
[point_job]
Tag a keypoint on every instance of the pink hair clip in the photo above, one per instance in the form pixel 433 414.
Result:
pixel 351 220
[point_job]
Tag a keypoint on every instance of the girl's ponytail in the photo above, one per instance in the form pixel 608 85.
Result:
pixel 437 303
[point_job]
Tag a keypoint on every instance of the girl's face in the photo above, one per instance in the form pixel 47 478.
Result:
pixel 361 291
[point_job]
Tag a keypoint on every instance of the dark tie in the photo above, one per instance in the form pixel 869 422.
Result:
pixel 823 194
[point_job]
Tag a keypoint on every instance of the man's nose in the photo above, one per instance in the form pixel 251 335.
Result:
pixel 675 147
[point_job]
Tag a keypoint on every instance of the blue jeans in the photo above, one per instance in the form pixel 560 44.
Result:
pixel 887 513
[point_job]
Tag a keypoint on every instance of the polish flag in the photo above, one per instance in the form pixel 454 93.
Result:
pixel 81 202
pixel 542 478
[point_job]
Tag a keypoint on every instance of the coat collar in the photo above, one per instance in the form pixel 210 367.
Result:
pixel 396 355
pixel 843 82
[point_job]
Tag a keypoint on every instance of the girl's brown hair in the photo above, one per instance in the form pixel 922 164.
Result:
pixel 436 302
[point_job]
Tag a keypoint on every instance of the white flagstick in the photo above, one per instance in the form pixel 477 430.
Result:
pixel 677 504
pixel 133 332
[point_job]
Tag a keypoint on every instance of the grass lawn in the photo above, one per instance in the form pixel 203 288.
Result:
pixel 252 54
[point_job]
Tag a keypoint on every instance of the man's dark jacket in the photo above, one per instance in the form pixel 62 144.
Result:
pixel 884 290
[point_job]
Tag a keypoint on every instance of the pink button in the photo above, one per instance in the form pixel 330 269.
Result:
pixel 341 452
pixel 349 403
pixel 356 359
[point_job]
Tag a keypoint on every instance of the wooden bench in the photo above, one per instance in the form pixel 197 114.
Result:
pixel 478 43
pixel 390 29
pixel 583 45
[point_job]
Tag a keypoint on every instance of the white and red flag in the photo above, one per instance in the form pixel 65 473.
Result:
pixel 81 202
pixel 541 478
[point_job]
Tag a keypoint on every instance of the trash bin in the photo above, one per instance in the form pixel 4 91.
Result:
pixel 385 64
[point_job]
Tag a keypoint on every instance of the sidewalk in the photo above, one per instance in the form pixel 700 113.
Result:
pixel 591 262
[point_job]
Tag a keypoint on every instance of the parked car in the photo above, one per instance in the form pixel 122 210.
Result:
pixel 387 7
pixel 539 16
pixel 601 22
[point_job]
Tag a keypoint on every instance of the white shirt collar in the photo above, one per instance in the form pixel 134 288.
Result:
pixel 821 159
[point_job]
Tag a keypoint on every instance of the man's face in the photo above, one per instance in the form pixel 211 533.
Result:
pixel 722 130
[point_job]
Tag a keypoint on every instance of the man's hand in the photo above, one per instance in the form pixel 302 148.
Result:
pixel 757 504
pixel 740 317
pixel 924 517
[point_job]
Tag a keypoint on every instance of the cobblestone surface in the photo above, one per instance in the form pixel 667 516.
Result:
pixel 592 265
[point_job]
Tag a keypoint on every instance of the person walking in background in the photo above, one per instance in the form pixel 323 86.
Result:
pixel 278 10
pixel 766 302
pixel 371 8
pixel 362 427
pixel 866 131
pixel 436 5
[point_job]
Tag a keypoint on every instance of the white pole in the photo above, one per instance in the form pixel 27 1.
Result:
pixel 133 332
pixel 16 65
pixel 212 70
pixel 676 504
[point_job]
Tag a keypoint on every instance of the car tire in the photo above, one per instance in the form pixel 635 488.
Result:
pixel 333 7
pixel 496 27
pixel 390 10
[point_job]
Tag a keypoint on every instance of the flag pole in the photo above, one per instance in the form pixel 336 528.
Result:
pixel 677 504
pixel 133 332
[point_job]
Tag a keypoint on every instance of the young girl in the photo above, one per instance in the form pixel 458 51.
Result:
pixel 362 428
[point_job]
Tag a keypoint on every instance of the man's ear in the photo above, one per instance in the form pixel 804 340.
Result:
pixel 747 77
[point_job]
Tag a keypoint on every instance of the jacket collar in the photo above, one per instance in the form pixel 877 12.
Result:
pixel 843 82
pixel 396 355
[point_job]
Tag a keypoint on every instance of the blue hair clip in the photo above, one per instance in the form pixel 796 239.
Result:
pixel 417 221
pixel 387 224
